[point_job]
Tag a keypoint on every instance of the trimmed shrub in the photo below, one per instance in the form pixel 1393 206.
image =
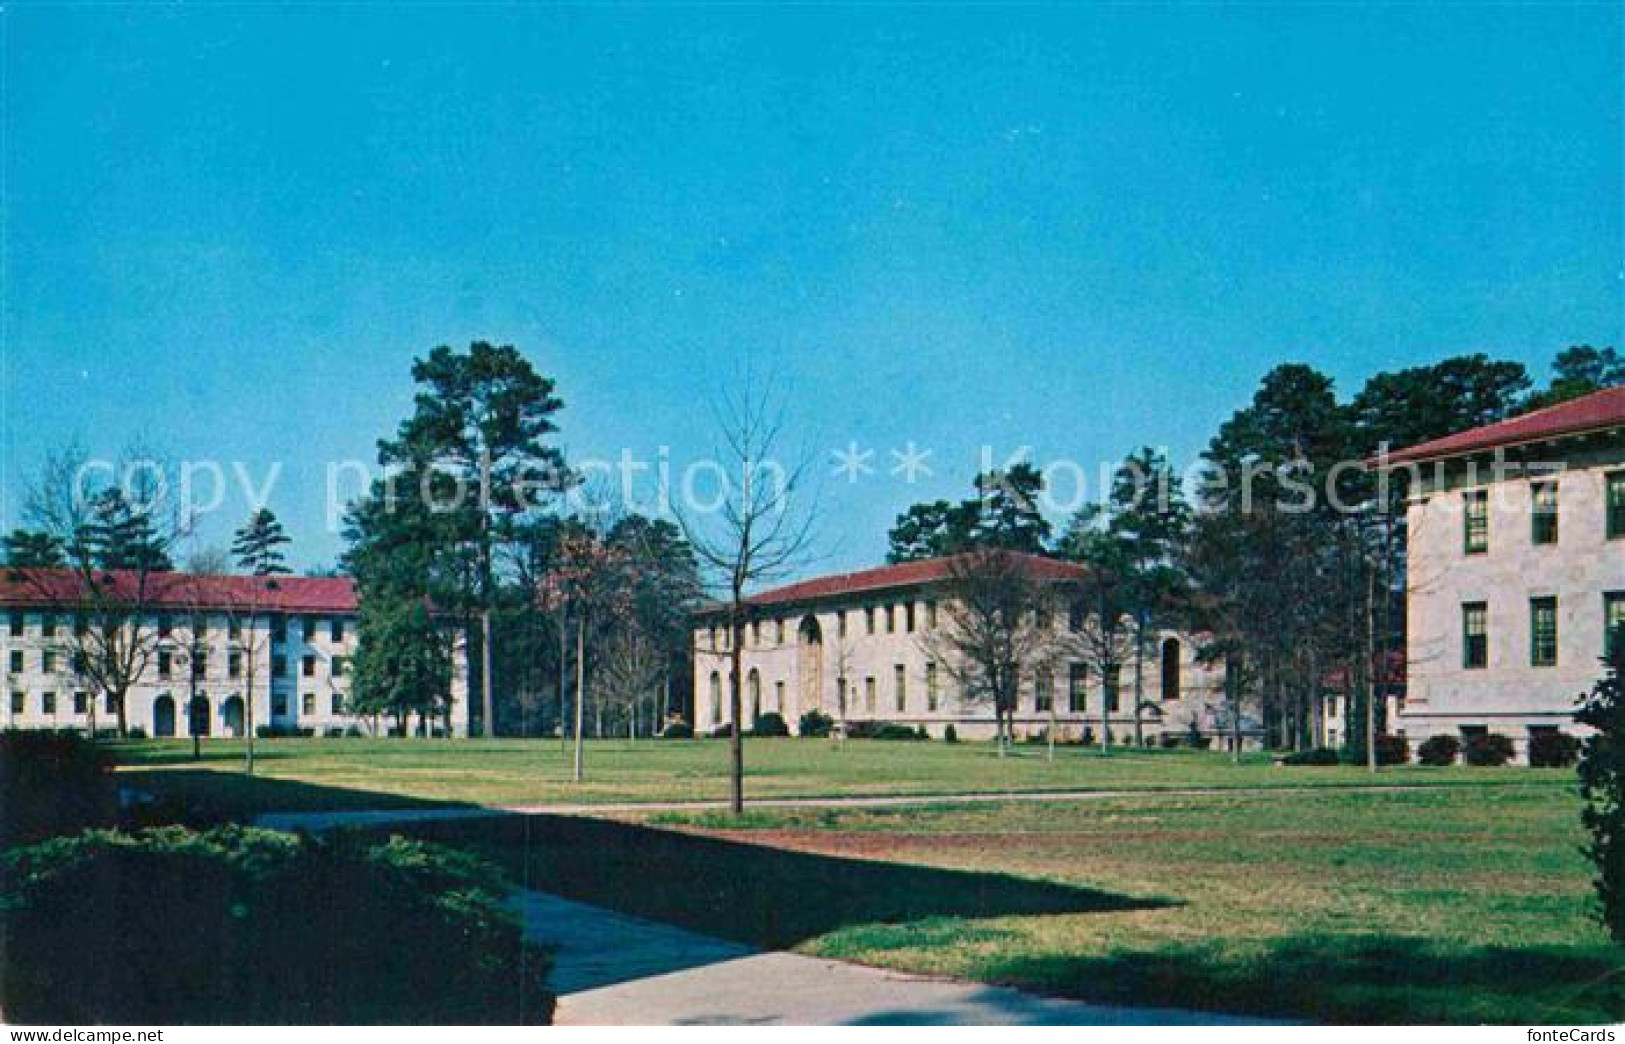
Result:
pixel 770 724
pixel 136 732
pixel 723 731
pixel 243 926
pixel 1553 749
pixel 677 729
pixel 1439 750
pixel 888 730
pixel 1317 756
pixel 284 732
pixel 815 725
pixel 1487 751
pixel 51 783
pixel 1393 750
pixel 950 734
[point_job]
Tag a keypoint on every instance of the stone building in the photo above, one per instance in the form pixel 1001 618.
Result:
pixel 1515 569
pixel 291 637
pixel 866 647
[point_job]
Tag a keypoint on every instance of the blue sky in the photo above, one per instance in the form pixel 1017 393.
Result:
pixel 229 229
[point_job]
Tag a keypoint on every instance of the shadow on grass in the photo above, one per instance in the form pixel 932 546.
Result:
pixel 750 893
pixel 1370 979
pixel 206 795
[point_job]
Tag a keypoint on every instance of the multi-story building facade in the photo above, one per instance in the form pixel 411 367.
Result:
pixel 866 647
pixel 208 645
pixel 1515 569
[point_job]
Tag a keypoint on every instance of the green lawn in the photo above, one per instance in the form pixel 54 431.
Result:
pixel 1445 905
pixel 297 775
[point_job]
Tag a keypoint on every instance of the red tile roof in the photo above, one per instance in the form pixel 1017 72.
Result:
pixel 294 594
pixel 906 574
pixel 1600 411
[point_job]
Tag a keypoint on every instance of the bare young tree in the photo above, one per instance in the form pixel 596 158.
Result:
pixel 995 620
pixel 762 529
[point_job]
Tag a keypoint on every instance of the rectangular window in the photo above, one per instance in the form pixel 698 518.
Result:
pixel 279 628
pixel 1476 522
pixel 16 661
pixel 840 623
pixel 931 614
pixel 1616 504
pixel 48 702
pixel 200 663
pixel 340 665
pixel 1613 624
pixel 47 661
pixel 107 703
pixel 1112 687
pixel 81 626
pixel 18 702
pixel 165 625
pixel 47 625
pixel 164 658
pixel 307 666
pixel 336 704
pixel 279 705
pixel 908 616
pixel 1543 513
pixel 279 666
pixel 840 695
pixel 869 620
pixel 1475 636
pixel 778 696
pixel 234 664
pixel 1077 688
pixel 931 687
pixel 16 625
pixel 1543 632
pixel 307 705
pixel 869 694
pixel 900 685
pixel 891 619
pixel 756 633
pixel 1043 691
pixel 336 629
pixel 81 704
pixel 312 623
pixel 234 629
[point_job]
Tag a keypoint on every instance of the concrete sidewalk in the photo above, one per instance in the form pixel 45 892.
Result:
pixel 611 969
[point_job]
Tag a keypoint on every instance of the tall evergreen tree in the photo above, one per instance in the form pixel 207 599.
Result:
pixel 33 549
pixel 258 545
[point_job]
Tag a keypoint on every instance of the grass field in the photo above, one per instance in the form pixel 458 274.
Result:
pixel 1448 895
pixel 298 775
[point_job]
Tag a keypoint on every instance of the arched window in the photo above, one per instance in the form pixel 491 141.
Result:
pixel 716 697
pixel 1170 669
pixel 753 688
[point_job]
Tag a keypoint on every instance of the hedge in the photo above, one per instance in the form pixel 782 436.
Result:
pixel 815 724
pixel 1439 750
pixel 51 783
pixel 246 926
pixel 770 723
pixel 1553 749
pixel 1488 750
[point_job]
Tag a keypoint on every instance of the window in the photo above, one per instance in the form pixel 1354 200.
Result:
pixel 840 695
pixel 1043 691
pixel 1613 624
pixel 47 702
pixel 312 623
pixel 279 666
pixel 931 614
pixel 307 705
pixel 1112 687
pixel 900 686
pixel 1074 616
pixel 891 619
pixel 81 626
pixel 16 661
pixel 47 625
pixel 16 625
pixel 869 620
pixel 200 663
pixel 716 694
pixel 47 661
pixel 18 702
pixel 340 664
pixel 279 705
pixel 279 628
pixel 1543 632
pixel 931 691
pixel 1476 522
pixel 778 696
pixel 1077 688
pixel 778 630
pixel 753 692
pixel 869 694
pixel 81 703
pixel 165 625
pixel 756 633
pixel 78 661
pixel 1475 637
pixel 107 703
pixel 1616 505
pixel 1543 513
pixel 840 623
pixel 335 629
pixel 908 616
pixel 164 658
pixel 1172 681
pixel 234 664
pixel 234 629
pixel 307 665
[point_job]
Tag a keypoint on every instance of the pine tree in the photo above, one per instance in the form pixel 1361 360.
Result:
pixel 258 544
pixel 31 549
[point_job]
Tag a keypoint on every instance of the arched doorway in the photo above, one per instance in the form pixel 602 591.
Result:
pixel 231 717
pixel 810 663
pixel 199 718
pixel 163 716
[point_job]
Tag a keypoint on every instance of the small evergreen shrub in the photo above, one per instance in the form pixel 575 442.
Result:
pixel 1553 749
pixel 950 734
pixel 888 730
pixel 815 725
pixel 51 783
pixel 1439 750
pixel 1488 751
pixel 1317 756
pixel 1393 750
pixel 677 729
pixel 770 724
pixel 243 926
pixel 136 732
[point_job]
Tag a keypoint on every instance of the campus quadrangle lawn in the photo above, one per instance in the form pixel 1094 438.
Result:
pixel 1454 895
pixel 299 775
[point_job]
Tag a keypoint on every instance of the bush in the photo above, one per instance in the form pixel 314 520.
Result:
pixel 284 732
pixel 51 783
pixel 723 731
pixel 677 729
pixel 1489 750
pixel 887 730
pixel 815 725
pixel 1317 756
pixel 1393 750
pixel 136 732
pixel 1439 750
pixel 770 724
pixel 1553 749
pixel 950 734
pixel 243 926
